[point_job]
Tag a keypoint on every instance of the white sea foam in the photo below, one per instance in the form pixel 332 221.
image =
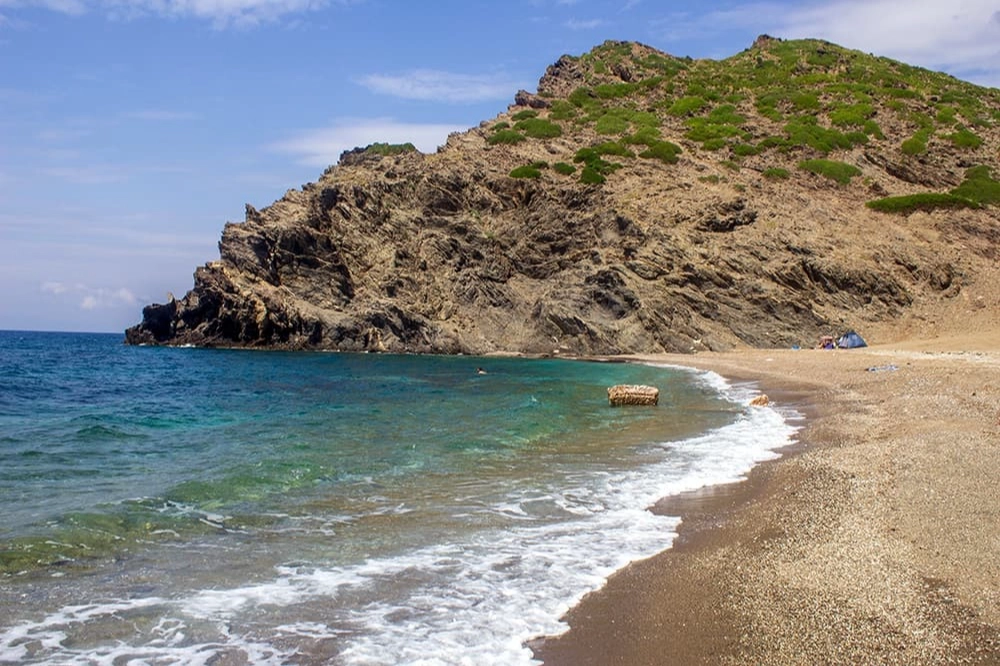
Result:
pixel 475 600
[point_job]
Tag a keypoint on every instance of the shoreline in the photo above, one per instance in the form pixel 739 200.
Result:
pixel 873 540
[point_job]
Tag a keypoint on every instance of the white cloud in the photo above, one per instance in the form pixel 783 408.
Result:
pixel 54 287
pixel 575 24
pixel 322 147
pixel 87 175
pixel 438 86
pixel 159 115
pixel 73 7
pixel 91 298
pixel 222 13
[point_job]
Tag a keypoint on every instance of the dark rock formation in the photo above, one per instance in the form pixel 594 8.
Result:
pixel 446 253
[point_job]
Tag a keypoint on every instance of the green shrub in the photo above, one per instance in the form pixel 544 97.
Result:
pixel 772 142
pixel 703 129
pixel 824 58
pixel 777 173
pixel 502 125
pixel 615 90
pixel 731 165
pixel 539 128
pixel 855 115
pixel 645 135
pixel 977 190
pixel 686 106
pixel 804 131
pixel 965 138
pixel 645 119
pixel 745 150
pixel 979 186
pixel 946 115
pixel 526 171
pixel 564 169
pixel 506 136
pixel 583 98
pixel 664 151
pixel 922 201
pixel 592 159
pixel 857 138
pixel 562 110
pixel 806 101
pixel 917 143
pixel 871 128
pixel 610 124
pixel 714 144
pixel 613 148
pixel 772 114
pixel 525 114
pixel 390 148
pixel 713 179
pixel 591 176
pixel 725 115
pixel 922 120
pixel 838 171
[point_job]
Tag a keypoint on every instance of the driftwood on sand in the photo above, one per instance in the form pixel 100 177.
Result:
pixel 633 394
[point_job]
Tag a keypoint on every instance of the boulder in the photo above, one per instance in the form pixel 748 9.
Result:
pixel 633 394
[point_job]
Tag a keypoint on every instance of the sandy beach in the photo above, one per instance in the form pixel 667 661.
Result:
pixel 874 540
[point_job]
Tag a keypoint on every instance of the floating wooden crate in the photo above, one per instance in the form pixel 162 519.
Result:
pixel 633 394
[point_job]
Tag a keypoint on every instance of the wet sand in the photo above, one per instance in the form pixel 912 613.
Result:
pixel 874 540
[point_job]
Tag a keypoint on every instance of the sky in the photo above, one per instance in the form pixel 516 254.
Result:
pixel 131 131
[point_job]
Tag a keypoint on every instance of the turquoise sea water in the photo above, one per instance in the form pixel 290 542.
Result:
pixel 179 506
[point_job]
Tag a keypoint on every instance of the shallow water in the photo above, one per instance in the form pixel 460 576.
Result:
pixel 192 506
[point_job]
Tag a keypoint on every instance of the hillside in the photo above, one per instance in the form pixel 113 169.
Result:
pixel 638 202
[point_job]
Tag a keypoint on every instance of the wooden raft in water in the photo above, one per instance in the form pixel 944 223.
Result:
pixel 633 394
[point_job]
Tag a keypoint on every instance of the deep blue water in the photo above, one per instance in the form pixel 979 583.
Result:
pixel 350 496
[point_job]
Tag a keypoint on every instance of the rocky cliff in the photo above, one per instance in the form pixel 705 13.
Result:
pixel 636 203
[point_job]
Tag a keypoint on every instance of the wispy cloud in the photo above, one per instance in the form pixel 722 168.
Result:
pixel 221 13
pixel 93 174
pixel 436 85
pixel 90 298
pixel 322 147
pixel 576 24
pixel 158 115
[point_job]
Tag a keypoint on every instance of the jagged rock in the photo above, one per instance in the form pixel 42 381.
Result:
pixel 525 98
pixel 447 253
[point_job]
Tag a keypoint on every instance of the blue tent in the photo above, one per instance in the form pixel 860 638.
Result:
pixel 851 340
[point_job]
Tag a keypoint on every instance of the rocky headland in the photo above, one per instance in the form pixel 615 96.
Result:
pixel 636 203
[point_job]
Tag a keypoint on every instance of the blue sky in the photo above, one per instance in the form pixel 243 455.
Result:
pixel 132 130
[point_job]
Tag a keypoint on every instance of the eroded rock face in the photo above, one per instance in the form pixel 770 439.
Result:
pixel 461 260
pixel 447 253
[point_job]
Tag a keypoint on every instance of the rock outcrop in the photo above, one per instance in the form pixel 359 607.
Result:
pixel 728 240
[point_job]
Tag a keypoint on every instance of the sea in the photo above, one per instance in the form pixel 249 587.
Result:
pixel 226 507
